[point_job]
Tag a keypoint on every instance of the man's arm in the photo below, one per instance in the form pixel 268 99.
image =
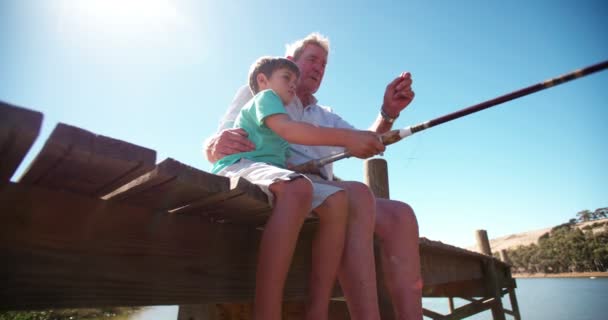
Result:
pixel 228 140
pixel 397 96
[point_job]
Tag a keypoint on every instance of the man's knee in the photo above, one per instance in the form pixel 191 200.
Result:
pixel 395 217
pixel 362 203
pixel 359 192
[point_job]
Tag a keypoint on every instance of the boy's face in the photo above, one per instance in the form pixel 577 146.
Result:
pixel 283 82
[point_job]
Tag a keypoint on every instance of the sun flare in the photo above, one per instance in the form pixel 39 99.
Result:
pixel 120 17
pixel 130 30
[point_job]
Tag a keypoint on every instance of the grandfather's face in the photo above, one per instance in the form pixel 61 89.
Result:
pixel 312 64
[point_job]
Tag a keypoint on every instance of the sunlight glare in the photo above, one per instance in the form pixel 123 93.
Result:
pixel 136 30
pixel 125 15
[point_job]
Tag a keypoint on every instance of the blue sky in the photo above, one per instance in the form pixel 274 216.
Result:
pixel 160 74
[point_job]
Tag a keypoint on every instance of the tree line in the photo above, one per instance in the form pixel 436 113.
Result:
pixel 567 248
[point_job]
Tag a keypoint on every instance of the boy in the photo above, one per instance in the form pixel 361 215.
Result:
pixel 293 196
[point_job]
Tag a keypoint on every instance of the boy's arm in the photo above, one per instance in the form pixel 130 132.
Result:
pixel 361 144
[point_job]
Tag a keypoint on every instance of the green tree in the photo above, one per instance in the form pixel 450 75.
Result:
pixel 584 215
pixel 601 213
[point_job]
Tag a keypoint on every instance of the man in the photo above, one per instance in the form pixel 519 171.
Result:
pixel 394 222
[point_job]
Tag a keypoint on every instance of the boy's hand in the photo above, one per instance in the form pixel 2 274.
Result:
pixel 227 142
pixel 364 144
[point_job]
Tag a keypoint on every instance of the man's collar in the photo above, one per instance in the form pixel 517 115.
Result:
pixel 298 103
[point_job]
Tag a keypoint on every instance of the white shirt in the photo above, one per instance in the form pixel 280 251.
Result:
pixel 313 113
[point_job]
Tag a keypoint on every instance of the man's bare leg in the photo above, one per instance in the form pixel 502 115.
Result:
pixel 357 273
pixel 397 231
pixel 328 245
pixel 292 205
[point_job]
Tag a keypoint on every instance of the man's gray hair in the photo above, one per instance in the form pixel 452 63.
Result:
pixel 295 49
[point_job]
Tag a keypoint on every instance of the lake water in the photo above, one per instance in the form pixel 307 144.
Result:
pixel 539 299
pixel 548 299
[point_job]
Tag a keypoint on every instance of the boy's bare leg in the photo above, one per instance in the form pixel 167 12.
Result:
pixel 397 231
pixel 292 205
pixel 328 245
pixel 357 273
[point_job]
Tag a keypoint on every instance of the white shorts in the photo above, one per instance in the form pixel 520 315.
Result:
pixel 264 174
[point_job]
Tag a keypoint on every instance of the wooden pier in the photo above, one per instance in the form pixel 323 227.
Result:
pixel 95 221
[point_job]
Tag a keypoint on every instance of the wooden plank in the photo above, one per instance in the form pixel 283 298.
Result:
pixel 170 185
pixel 59 249
pixel 186 190
pixel 244 311
pixel 432 314
pixel 82 162
pixel 439 268
pixel 243 203
pixel 440 247
pixel 19 128
pixel 471 309
pixel 456 288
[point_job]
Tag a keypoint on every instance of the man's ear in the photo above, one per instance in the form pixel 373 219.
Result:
pixel 290 58
pixel 262 81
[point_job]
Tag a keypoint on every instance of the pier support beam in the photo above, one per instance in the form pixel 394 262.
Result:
pixel 498 312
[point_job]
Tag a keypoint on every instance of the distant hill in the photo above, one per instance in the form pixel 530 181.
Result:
pixel 525 238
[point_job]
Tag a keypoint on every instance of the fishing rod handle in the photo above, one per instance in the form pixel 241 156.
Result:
pixel 389 137
pixel 313 166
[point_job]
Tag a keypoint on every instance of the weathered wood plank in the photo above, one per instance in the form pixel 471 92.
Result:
pixel 450 271
pixel 170 185
pixel 185 190
pixel 59 249
pixel 244 311
pixel 245 203
pixel 82 162
pixel 471 309
pixel 19 128
pixel 443 267
pixel 456 288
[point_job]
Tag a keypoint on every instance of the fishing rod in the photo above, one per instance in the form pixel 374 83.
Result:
pixel 393 136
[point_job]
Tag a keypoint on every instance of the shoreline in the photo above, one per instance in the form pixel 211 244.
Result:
pixel 561 275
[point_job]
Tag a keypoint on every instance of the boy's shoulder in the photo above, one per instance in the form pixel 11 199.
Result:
pixel 265 94
pixel 267 99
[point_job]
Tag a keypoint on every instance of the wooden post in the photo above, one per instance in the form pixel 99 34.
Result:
pixel 451 304
pixel 483 244
pixel 504 256
pixel 375 175
pixel 514 305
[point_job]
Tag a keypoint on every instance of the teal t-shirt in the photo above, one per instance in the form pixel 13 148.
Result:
pixel 270 147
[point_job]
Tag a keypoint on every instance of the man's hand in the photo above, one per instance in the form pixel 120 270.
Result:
pixel 364 144
pixel 227 142
pixel 398 95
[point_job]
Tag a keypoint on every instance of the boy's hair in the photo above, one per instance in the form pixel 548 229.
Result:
pixel 266 66
pixel 295 49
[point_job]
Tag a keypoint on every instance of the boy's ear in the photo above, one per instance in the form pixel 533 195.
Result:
pixel 262 80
